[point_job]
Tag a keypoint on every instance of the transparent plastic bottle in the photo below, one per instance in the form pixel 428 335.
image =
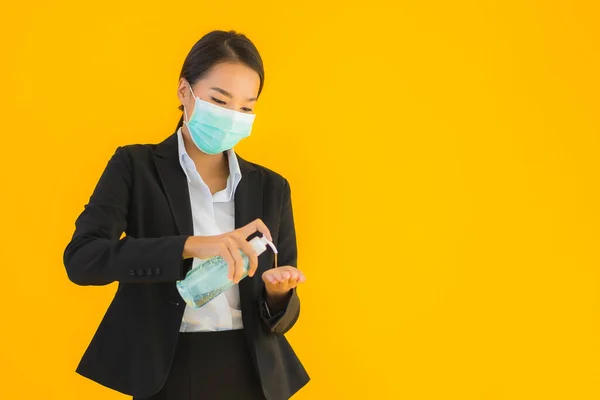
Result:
pixel 209 279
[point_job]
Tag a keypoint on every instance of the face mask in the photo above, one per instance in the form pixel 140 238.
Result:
pixel 215 129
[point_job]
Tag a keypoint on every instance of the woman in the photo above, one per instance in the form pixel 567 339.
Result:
pixel 189 198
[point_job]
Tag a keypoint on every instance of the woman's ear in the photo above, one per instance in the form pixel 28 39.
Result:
pixel 183 91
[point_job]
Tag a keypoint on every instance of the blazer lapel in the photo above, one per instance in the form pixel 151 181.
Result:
pixel 248 195
pixel 248 207
pixel 175 184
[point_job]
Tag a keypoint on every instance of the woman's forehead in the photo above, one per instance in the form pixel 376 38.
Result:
pixel 233 77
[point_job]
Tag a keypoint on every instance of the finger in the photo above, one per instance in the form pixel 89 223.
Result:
pixel 248 251
pixel 275 274
pixel 301 277
pixel 256 225
pixel 292 281
pixel 296 278
pixel 279 276
pixel 226 255
pixel 294 273
pixel 268 278
pixel 234 249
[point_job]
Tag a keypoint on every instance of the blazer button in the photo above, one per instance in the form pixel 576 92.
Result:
pixel 140 272
pixel 158 271
pixel 149 272
pixel 131 272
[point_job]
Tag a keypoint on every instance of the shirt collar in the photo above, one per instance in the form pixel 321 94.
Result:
pixel 189 168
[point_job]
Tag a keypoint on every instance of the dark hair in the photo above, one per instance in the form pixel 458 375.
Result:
pixel 217 47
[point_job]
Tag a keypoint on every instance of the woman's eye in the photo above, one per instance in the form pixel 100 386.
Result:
pixel 246 109
pixel 217 100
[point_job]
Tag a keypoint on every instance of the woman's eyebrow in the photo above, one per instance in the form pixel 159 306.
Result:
pixel 222 91
pixel 226 93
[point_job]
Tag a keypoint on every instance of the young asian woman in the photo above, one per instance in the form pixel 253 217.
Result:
pixel 186 199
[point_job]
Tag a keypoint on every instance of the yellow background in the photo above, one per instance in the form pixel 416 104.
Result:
pixel 443 157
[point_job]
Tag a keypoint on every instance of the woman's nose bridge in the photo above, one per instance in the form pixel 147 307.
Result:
pixel 234 104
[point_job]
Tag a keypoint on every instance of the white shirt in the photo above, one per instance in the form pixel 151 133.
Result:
pixel 212 215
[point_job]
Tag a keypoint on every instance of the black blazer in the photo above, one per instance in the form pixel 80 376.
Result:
pixel 144 193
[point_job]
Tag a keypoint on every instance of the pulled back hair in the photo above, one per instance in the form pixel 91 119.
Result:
pixel 218 47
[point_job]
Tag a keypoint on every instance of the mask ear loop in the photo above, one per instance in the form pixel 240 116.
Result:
pixel 184 108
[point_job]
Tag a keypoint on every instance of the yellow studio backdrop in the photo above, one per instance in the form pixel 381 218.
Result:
pixel 443 157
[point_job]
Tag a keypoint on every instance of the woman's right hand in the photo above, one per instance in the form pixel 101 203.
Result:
pixel 228 246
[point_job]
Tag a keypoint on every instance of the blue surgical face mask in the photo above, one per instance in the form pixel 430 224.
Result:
pixel 215 129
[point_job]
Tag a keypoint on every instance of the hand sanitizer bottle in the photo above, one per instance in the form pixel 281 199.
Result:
pixel 209 279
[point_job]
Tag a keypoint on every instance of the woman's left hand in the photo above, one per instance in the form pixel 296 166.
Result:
pixel 279 281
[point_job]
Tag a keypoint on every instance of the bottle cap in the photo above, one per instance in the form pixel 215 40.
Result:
pixel 259 244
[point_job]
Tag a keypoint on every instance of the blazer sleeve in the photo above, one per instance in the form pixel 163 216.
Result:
pixel 285 319
pixel 97 255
